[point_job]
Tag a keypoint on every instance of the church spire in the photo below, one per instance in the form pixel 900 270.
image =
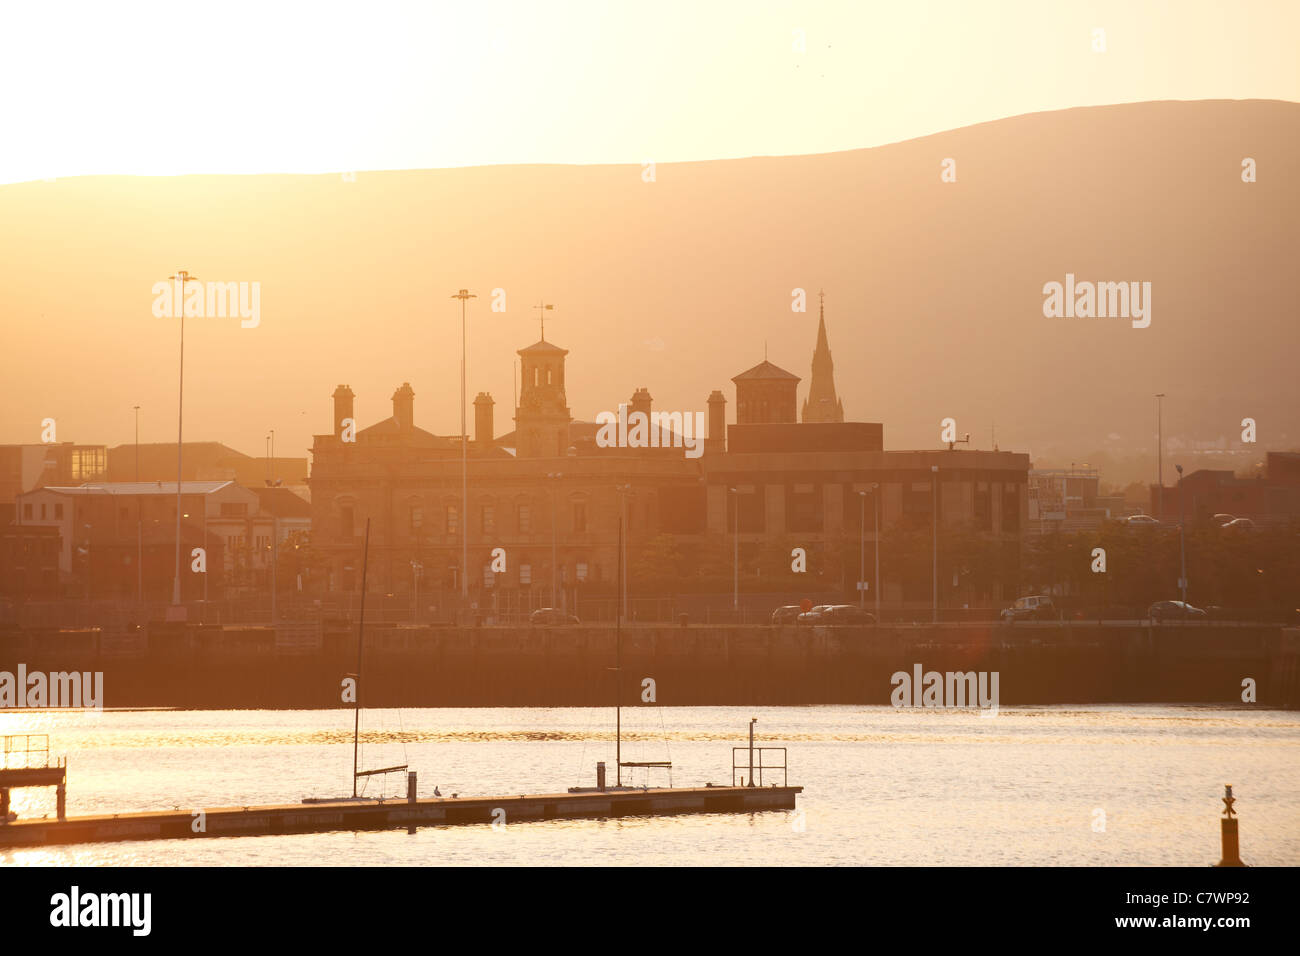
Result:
pixel 822 405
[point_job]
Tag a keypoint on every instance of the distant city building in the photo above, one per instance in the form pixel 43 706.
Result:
pixel 1069 500
pixel 1270 498
pixel 108 530
pixel 549 486
pixel 25 467
pixel 200 461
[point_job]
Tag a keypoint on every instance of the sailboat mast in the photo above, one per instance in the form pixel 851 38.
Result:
pixel 361 629
pixel 618 666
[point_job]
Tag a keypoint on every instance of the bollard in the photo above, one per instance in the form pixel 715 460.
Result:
pixel 4 804
pixel 1228 832
pixel 410 786
pixel 62 800
pixel 600 775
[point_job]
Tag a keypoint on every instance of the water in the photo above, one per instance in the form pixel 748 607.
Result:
pixel 882 786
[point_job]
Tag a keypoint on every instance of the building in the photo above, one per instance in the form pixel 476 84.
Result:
pixel 25 467
pixel 1069 500
pixel 200 461
pixel 117 540
pixel 29 560
pixel 546 501
pixel 1272 497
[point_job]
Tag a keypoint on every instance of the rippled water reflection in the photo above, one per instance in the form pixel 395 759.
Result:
pixel 882 786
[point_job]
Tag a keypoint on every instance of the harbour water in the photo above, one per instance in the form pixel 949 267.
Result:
pixel 1097 785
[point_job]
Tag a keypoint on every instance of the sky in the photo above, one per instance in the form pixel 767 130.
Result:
pixel 144 88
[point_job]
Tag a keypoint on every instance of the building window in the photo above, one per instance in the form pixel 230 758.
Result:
pixel 524 518
pixel 579 517
pixel 581 571
pixel 58 511
pixel 417 518
pixel 488 516
pixel 234 509
pixel 489 578
pixel 42 511
pixel 525 574
pixel 27 509
pixel 346 528
pixel 452 519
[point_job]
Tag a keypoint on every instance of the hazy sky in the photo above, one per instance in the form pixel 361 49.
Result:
pixel 250 87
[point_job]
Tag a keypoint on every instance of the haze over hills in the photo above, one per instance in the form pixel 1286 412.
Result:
pixel 934 291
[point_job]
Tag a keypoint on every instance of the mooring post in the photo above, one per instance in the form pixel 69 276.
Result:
pixel 62 799
pixel 600 775
pixel 1228 831
pixel 4 804
pixel 410 786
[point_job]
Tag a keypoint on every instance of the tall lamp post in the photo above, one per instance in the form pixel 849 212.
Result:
pixel 555 526
pixel 182 277
pixel 735 555
pixel 139 518
pixel 862 548
pixel 1160 456
pixel 875 535
pixel 1182 546
pixel 624 492
pixel 464 295
pixel 934 586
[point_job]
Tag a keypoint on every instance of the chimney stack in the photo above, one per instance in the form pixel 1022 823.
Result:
pixel 641 403
pixel 483 428
pixel 343 397
pixel 716 443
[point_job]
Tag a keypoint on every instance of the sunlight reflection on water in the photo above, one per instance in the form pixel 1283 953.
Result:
pixel 882 786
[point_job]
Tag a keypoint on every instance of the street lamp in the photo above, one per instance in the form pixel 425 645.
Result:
pixel 1182 547
pixel 464 295
pixel 139 518
pixel 1160 456
pixel 555 566
pixel 862 548
pixel 735 556
pixel 182 277
pixel 934 586
pixel 624 492
pixel 875 533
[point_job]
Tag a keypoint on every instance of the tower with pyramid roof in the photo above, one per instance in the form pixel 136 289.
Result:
pixel 822 405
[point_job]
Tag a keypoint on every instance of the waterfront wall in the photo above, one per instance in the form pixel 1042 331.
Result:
pixel 303 666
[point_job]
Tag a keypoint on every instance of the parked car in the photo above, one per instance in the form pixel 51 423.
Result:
pixel 813 615
pixel 1035 607
pixel 1141 521
pixel 1240 524
pixel 1221 519
pixel 786 615
pixel 845 614
pixel 1175 611
pixel 551 617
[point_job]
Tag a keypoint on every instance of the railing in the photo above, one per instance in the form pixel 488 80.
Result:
pixel 33 754
pixel 758 767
